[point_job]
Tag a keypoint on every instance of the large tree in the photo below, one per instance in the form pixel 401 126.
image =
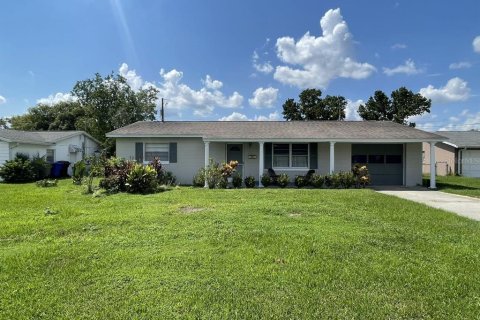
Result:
pixel 66 115
pixel 401 105
pixel 100 105
pixel 110 103
pixel 312 106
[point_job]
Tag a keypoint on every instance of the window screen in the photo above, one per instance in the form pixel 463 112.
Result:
pixel 159 150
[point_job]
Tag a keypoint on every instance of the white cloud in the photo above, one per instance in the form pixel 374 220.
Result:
pixel 264 97
pixel 320 59
pixel 476 44
pixel 2 100
pixel 471 122
pixel 351 111
pixel 262 67
pixel 398 46
pixel 236 116
pixel 456 89
pixel 181 97
pixel 460 65
pixel 57 98
pixel 407 68
pixel 274 116
pixel 203 101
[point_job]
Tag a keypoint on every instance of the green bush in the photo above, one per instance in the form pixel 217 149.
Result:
pixel 17 170
pixel 266 180
pixel 283 180
pixel 250 182
pixel 347 179
pixel 317 180
pixel 79 172
pixel 141 179
pixel 111 183
pixel 336 180
pixel 199 178
pixel 163 177
pixel 40 167
pixel 237 180
pixel 300 181
pixel 222 183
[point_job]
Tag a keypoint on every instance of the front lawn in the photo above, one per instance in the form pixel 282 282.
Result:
pixel 220 254
pixel 455 184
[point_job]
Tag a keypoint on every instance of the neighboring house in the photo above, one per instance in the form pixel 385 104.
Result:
pixel 392 152
pixel 69 146
pixel 459 155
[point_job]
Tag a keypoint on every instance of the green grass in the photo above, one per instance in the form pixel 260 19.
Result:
pixel 221 254
pixel 455 184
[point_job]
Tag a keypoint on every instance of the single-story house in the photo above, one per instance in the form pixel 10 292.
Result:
pixel 69 146
pixel 459 155
pixel 392 152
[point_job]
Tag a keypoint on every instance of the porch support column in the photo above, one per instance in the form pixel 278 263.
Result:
pixel 332 157
pixel 207 157
pixel 433 184
pixel 260 163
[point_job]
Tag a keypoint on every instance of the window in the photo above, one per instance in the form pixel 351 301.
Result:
pixel 393 158
pixel 50 156
pixel 300 155
pixel 376 158
pixel 160 150
pixel 359 159
pixel 287 155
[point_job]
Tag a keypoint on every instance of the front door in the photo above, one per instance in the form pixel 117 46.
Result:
pixel 235 152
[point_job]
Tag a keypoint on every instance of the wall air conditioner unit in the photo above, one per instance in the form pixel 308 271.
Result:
pixel 74 149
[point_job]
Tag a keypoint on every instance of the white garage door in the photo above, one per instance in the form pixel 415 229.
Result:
pixel 4 152
pixel 471 163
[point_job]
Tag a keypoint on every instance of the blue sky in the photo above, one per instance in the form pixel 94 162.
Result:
pixel 241 60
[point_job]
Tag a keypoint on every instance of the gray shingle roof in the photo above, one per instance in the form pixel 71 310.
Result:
pixel 261 130
pixel 462 139
pixel 36 137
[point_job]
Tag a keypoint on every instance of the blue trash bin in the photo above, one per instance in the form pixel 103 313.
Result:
pixel 57 170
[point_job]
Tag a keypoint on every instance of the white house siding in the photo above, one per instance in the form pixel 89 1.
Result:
pixel 343 157
pixel 251 165
pixel 4 152
pixel 29 149
pixel 190 154
pixel 413 164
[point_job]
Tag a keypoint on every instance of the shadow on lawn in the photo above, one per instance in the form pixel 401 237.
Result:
pixel 452 186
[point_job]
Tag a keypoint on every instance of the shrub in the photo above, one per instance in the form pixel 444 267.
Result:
pixel 347 179
pixel 300 181
pixel 362 177
pixel 213 174
pixel 266 180
pixel 283 180
pixel 40 167
pixel 250 182
pixel 222 183
pixel 141 179
pixel 46 183
pixel 19 169
pixel 199 178
pixel 96 169
pixel 336 180
pixel 111 183
pixel 328 181
pixel 317 180
pixel 166 178
pixel 79 171
pixel 237 180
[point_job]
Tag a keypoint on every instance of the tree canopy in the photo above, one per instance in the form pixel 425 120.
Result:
pixel 401 105
pixel 100 105
pixel 312 106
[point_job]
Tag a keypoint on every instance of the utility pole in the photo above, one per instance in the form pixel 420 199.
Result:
pixel 162 112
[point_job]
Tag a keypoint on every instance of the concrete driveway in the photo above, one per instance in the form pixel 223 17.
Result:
pixel 463 206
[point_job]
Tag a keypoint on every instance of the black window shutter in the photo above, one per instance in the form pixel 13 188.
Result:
pixel 139 152
pixel 173 152
pixel 313 156
pixel 267 149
